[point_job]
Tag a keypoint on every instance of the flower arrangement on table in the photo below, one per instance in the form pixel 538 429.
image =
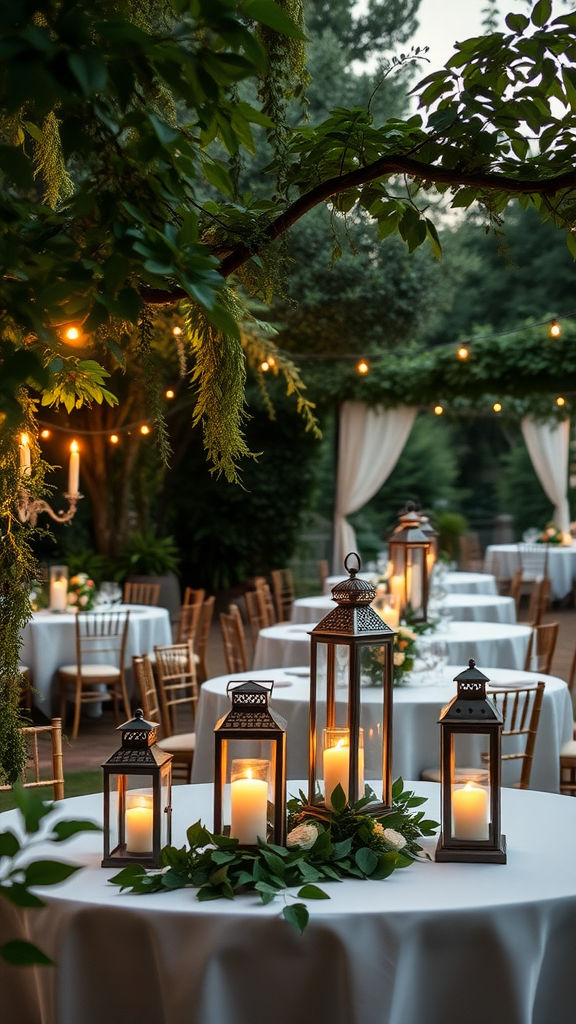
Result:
pixel 322 845
pixel 405 653
pixel 552 534
pixel 81 592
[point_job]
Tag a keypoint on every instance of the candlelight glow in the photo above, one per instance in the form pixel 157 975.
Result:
pixel 169 393
pixel 74 446
pixel 25 440
pixel 144 429
pixel 265 365
pixel 72 333
pixel 560 400
pixel 362 366
pixel 176 331
pixel 114 438
pixel 44 433
pixel 463 352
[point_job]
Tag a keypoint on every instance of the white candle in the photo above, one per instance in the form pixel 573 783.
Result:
pixel 470 812
pixel 336 764
pixel 74 469
pixel 396 585
pixel 139 823
pixel 391 613
pixel 58 595
pixel 414 586
pixel 430 562
pixel 25 469
pixel 249 807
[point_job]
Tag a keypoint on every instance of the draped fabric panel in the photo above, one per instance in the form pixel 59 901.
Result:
pixel 548 446
pixel 369 446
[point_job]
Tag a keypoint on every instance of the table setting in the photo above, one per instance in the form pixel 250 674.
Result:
pixel 459 606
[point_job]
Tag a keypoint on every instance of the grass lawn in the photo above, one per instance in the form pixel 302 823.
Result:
pixel 75 784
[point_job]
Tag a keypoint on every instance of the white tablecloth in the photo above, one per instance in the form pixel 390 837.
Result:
pixel 561 565
pixel 469 583
pixel 489 643
pixel 416 743
pixel 462 608
pixel 432 944
pixel 49 640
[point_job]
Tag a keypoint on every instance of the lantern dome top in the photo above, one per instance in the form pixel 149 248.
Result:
pixel 471 682
pixel 137 724
pixel 353 590
pixel 408 529
pixel 426 527
pixel 471 705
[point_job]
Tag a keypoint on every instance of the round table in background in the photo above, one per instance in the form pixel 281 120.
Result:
pixel 561 564
pixel 461 607
pixel 416 742
pixel 433 943
pixel 452 582
pixel 49 640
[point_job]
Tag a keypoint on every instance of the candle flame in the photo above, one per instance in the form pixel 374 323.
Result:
pixel 471 785
pixel 25 440
pixel 74 446
pixel 249 773
pixel 341 743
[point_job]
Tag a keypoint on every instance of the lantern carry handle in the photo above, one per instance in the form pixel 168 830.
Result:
pixel 353 554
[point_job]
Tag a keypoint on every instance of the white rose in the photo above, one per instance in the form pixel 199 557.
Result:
pixel 399 658
pixel 72 598
pixel 551 531
pixel 83 600
pixel 394 838
pixel 303 836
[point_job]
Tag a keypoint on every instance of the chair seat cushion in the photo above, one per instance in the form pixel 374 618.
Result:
pixel 91 671
pixel 568 749
pixel 181 743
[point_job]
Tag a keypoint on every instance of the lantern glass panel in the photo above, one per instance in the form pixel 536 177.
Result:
pixel 135 813
pixel 415 561
pixel 372 677
pixel 470 786
pixel 248 802
pixel 165 801
pixel 342 656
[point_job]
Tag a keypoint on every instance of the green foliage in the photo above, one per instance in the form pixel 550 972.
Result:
pixel 78 381
pixel 146 555
pixel 519 491
pixel 450 527
pixel 349 843
pixel 19 874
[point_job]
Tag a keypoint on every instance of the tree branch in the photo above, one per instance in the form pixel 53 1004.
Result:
pixel 354 179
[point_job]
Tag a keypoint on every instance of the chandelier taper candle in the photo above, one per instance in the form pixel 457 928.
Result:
pixel 29 507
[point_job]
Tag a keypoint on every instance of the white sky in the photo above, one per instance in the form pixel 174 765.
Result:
pixel 444 22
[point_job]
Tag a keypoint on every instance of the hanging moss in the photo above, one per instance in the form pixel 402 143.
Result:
pixel 49 164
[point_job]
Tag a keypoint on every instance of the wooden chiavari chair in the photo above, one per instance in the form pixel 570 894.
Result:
pixel 55 780
pixel 234 640
pixel 99 635
pixel 541 647
pixel 203 635
pixel 283 588
pixel 180 745
pixel 192 596
pixel 142 593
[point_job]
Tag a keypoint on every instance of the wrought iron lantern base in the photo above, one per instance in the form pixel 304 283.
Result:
pixel 467 855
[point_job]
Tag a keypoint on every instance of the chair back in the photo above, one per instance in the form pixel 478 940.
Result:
pixel 572 675
pixel 323 570
pixel 192 596
pixel 266 606
pixel 539 600
pixel 470 553
pixel 520 711
pixel 36 765
pixel 188 623
pixel 234 641
pixel 516 590
pixel 141 593
pixel 534 561
pixel 177 682
pixel 144 676
pixel 99 633
pixel 255 619
pixel 206 613
pixel 541 647
pixel 283 588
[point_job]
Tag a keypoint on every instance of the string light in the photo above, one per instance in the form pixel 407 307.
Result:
pixel 463 352
pixel 497 407
pixel 72 334
pixel 265 366
pixel 363 367
pixel 144 429
pixel 114 438
pixel 176 331
pixel 560 400
pixel 438 409
pixel 44 434
pixel 169 393
pixel 555 329
pixel 271 361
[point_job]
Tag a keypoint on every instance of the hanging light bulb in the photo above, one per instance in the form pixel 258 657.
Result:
pixel 555 329
pixel 438 409
pixel 176 331
pixel 265 366
pixel 463 352
pixel 44 434
pixel 72 334
pixel 114 438
pixel 560 400
pixel 271 361
pixel 363 367
pixel 144 429
pixel 169 393
pixel 497 407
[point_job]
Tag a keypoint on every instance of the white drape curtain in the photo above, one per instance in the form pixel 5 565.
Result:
pixel 369 446
pixel 548 446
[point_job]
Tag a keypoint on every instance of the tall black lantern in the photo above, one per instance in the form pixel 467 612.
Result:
pixel 350 646
pixel 470 730
pixel 137 798
pixel 250 767
pixel 409 548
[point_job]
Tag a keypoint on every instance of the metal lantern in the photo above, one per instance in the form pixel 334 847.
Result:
pixel 470 729
pixel 409 548
pixel 137 798
pixel 432 535
pixel 350 646
pixel 250 767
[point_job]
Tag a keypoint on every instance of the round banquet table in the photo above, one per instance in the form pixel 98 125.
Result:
pixel 489 643
pixel 561 565
pixel 461 607
pixel 433 943
pixel 49 640
pixel 452 582
pixel 416 743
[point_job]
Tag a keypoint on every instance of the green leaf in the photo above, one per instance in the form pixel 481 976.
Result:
pixel 63 830
pixel 222 857
pixel 571 242
pixel 128 875
pixel 173 879
pixel 31 805
pixel 266 887
pixel 517 22
pixel 297 915
pixel 20 896
pixel 387 863
pixel 207 892
pixel 338 799
pixel 16 166
pixel 569 80
pixel 312 892
pixel 198 836
pixel 9 845
pixel 342 849
pixel 89 70
pixel 48 872
pixel 23 954
pixel 366 860
pixel 268 13
pixel 541 13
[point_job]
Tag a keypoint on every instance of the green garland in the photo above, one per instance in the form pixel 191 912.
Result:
pixel 323 845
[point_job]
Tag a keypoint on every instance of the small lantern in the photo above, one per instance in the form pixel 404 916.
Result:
pixel 470 729
pixel 409 548
pixel 250 767
pixel 137 798
pixel 432 535
pixel 350 646
pixel 58 588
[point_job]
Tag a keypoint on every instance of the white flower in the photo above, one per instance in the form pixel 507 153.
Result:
pixel 303 836
pixel 83 600
pixel 551 531
pixel 72 598
pixel 394 838
pixel 399 658
pixel 406 632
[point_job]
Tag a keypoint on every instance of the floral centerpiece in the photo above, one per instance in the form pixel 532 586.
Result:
pixel 322 846
pixel 81 592
pixel 551 534
pixel 405 653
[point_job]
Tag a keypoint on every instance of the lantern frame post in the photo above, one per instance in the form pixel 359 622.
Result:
pixel 356 626
pixel 409 548
pixel 470 712
pixel 251 720
pixel 138 757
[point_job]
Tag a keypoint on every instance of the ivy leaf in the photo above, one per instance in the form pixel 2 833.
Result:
pixel 128 875
pixel 297 915
pixel 23 954
pixel 198 836
pixel 366 860
pixel 338 799
pixel 341 850
pixel 312 892
pixel 386 864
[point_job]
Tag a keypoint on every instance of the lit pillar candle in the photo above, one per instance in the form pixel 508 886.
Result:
pixel 58 595
pixel 139 823
pixel 391 612
pixel 74 469
pixel 249 809
pixel 336 765
pixel 25 469
pixel 396 585
pixel 430 562
pixel 414 586
pixel 470 812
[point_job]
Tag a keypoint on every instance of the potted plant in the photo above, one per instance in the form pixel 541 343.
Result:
pixel 147 558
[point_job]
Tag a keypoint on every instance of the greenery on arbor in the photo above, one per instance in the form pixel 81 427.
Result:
pixel 119 122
